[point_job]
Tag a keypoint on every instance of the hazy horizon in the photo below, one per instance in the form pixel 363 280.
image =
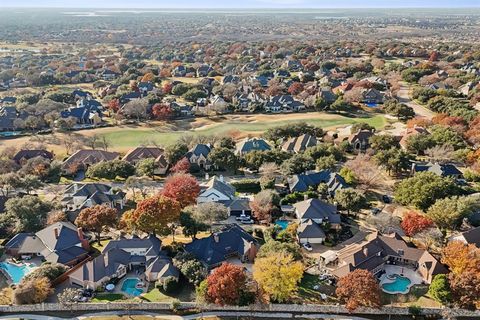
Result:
pixel 246 4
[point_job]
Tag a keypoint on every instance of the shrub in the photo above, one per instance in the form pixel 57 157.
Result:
pixel 247 185
pixel 168 285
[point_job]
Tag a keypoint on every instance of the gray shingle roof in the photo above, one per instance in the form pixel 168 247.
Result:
pixel 233 240
pixel 310 229
pixel 317 209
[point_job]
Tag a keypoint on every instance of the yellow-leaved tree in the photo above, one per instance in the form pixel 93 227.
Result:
pixel 278 275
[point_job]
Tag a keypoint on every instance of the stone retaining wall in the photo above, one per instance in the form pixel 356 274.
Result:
pixel 153 306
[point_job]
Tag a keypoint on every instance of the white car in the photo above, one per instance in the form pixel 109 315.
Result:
pixel 247 221
pixel 307 246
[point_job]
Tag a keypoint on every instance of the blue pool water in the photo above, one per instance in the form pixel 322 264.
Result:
pixel 400 285
pixel 9 134
pixel 128 287
pixel 282 223
pixel 371 105
pixel 15 272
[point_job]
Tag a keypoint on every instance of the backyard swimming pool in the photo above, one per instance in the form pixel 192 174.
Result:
pixel 282 223
pixel 16 272
pixel 129 286
pixel 399 285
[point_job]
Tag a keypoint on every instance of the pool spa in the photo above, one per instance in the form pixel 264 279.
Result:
pixel 396 284
pixel 16 272
pixel 132 287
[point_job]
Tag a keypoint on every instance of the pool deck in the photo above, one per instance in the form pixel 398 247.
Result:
pixel 406 272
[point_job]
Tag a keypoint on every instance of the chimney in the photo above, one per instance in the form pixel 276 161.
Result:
pixel 221 178
pixel 207 176
pixel 83 240
pixel 305 197
pixel 55 231
pixel 216 238
pixel 365 251
pixel 105 259
pixel 80 234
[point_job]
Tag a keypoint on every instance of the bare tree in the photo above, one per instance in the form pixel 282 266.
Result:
pixel 430 238
pixel 385 223
pixel 92 142
pixel 440 154
pixel 136 109
pixel 368 174
pixel 269 170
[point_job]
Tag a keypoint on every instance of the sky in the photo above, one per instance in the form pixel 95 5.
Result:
pixel 240 3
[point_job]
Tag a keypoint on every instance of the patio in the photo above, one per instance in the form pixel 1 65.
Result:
pixel 393 274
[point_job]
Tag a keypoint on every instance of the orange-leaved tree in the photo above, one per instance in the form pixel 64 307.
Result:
pixel 97 218
pixel 359 288
pixel 156 215
pixel 226 284
pixel 183 188
pixel 414 222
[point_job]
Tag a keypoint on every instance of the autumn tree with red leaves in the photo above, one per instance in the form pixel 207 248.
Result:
pixel 359 289
pixel 113 105
pixel 414 222
pixel 96 219
pixel 162 111
pixel 154 215
pixel 182 166
pixel 183 188
pixel 295 88
pixel 225 284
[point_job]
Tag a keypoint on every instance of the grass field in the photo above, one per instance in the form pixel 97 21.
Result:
pixel 127 138
pixel 122 138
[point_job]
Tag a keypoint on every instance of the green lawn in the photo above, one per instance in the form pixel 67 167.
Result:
pixel 123 138
pixel 185 292
pixel 108 297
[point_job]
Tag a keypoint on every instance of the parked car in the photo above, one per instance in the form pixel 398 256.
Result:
pixel 307 246
pixel 247 221
pixel 386 199
pixel 242 217
pixel 375 211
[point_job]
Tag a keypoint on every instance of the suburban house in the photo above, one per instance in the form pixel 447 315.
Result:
pixel 216 190
pixel 318 211
pixel 109 75
pixel 121 256
pixel 381 250
pixel 326 95
pixel 82 159
pixel 198 156
pixel 283 103
pixel 360 140
pixel 238 207
pixel 252 144
pixel 83 115
pixel 373 96
pixel 78 196
pixel 299 144
pixel 471 236
pixel 136 155
pixel 8 115
pixel 204 70
pixel 310 232
pixel 24 155
pixel 443 170
pixel 230 243
pixel 305 181
pixel 61 242
pixel 411 132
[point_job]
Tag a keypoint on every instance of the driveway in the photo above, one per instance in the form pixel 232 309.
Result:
pixel 405 97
